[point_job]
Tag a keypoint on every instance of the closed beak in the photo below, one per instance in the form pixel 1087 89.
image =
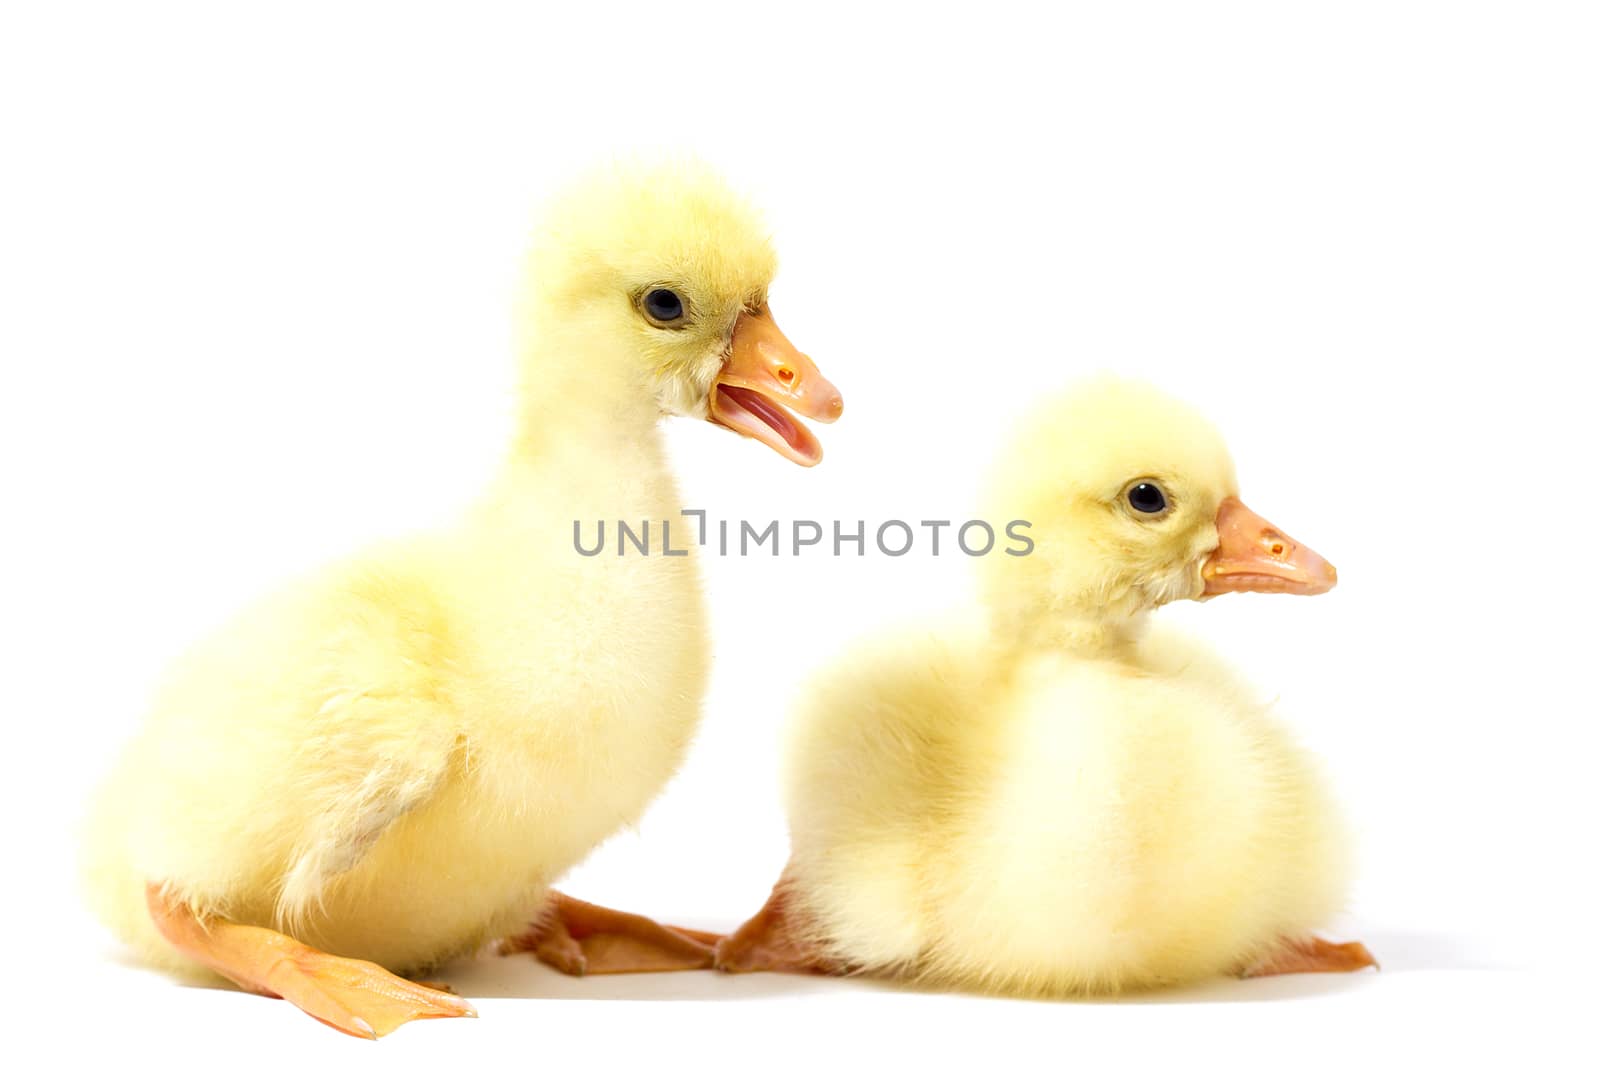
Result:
pixel 1254 556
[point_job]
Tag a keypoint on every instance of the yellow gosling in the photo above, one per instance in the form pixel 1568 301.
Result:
pixel 1064 800
pixel 388 763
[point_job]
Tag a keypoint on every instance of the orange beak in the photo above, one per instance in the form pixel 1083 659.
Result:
pixel 1253 556
pixel 765 383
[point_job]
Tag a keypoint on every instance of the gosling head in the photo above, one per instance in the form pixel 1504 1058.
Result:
pixel 1133 504
pixel 662 272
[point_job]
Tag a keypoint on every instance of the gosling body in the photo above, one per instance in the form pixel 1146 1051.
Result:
pixel 1056 797
pixel 387 764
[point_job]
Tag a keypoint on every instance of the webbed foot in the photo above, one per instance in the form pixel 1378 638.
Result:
pixel 770 940
pixel 355 996
pixel 577 938
pixel 1311 955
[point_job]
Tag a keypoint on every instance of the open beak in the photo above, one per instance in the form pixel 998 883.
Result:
pixel 765 383
pixel 1253 556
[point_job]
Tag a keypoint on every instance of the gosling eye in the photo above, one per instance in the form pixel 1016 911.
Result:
pixel 1147 497
pixel 663 306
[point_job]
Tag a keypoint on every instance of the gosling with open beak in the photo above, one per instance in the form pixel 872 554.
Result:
pixel 765 383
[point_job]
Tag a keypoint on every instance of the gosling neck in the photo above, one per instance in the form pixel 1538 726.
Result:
pixel 1084 634
pixel 582 396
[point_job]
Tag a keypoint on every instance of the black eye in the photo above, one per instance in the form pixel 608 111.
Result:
pixel 1148 498
pixel 663 305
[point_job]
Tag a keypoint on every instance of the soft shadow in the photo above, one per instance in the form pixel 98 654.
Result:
pixel 1419 950
pixel 1253 990
pixel 1397 952
pixel 523 977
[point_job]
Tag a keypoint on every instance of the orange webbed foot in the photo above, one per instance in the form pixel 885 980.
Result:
pixel 354 996
pixel 770 941
pixel 358 997
pixel 578 938
pixel 1311 956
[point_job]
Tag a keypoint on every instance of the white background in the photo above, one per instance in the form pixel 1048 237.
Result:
pixel 256 276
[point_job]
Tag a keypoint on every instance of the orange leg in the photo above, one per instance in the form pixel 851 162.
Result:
pixel 1311 955
pixel 576 937
pixel 770 940
pixel 355 996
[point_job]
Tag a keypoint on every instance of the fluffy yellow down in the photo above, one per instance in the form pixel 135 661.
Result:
pixel 393 759
pixel 1062 801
